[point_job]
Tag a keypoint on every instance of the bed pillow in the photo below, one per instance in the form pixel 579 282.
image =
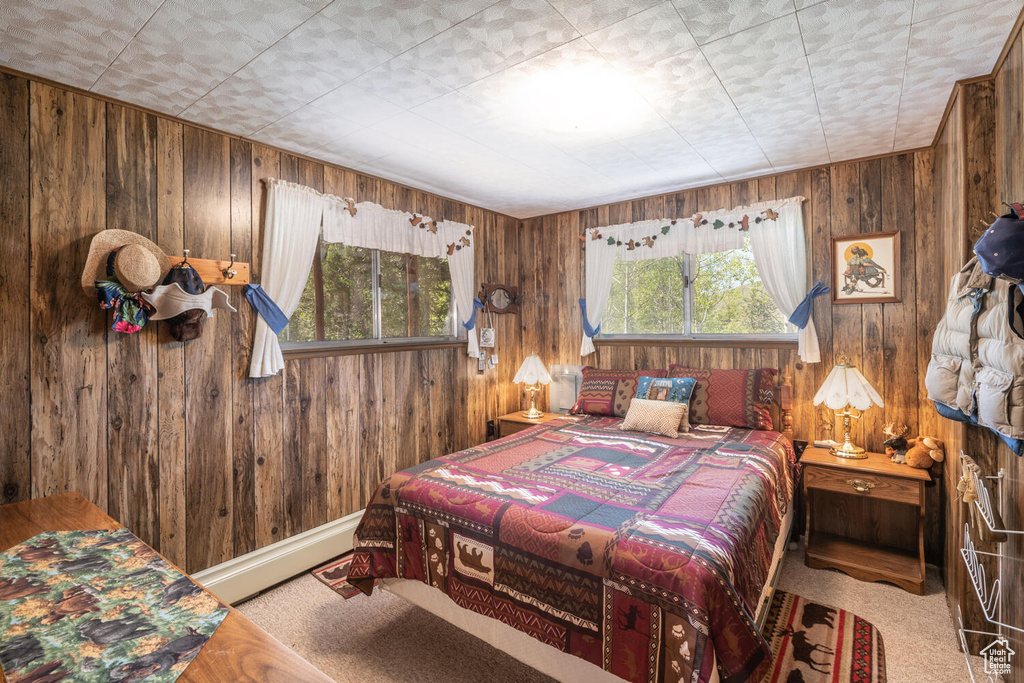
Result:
pixel 608 392
pixel 654 417
pixel 676 390
pixel 733 398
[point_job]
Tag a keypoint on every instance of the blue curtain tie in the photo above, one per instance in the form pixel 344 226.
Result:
pixel 587 329
pixel 802 314
pixel 471 323
pixel 265 306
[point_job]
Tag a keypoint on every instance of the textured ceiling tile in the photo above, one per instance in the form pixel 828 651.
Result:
pixel 306 129
pixel 930 9
pixel 395 25
pixel 266 21
pixel 184 51
pixel 314 59
pixel 459 10
pixel 355 104
pixel 590 15
pixel 707 114
pixel 665 82
pixel 708 20
pixel 170 96
pixel 239 106
pixel 879 54
pixel 454 110
pixel 401 84
pixel 766 114
pixel 498 37
pixel 752 54
pixel 71 42
pixel 975 28
pixel 363 145
pixel 780 78
pixel 869 100
pixel 665 150
pixel 643 39
pixel 836 22
pixel 734 156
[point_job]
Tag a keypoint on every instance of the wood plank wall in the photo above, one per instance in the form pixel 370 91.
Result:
pixel 977 166
pixel 174 440
pixel 892 193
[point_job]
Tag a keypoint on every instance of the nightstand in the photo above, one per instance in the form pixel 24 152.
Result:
pixel 873 529
pixel 515 422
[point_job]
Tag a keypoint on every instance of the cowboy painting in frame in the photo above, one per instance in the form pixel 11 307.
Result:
pixel 866 268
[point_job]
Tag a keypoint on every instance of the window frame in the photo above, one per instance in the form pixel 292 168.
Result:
pixel 781 338
pixel 334 347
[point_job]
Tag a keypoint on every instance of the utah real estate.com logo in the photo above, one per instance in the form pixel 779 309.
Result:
pixel 997 658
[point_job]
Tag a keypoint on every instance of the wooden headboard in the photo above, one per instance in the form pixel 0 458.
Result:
pixel 785 401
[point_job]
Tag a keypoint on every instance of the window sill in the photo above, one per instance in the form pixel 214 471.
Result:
pixel 298 350
pixel 736 342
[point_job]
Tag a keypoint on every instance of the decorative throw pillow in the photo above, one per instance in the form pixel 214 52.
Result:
pixel 676 390
pixel 734 398
pixel 608 392
pixel 655 417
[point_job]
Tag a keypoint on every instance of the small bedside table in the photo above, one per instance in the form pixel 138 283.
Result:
pixel 515 422
pixel 874 529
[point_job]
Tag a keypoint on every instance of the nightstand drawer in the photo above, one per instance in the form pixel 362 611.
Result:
pixel 864 484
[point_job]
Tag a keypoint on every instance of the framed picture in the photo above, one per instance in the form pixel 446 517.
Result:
pixel 866 268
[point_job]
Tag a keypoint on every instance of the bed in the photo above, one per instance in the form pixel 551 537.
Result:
pixel 648 557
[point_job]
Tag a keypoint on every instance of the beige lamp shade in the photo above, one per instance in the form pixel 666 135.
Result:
pixel 846 386
pixel 532 372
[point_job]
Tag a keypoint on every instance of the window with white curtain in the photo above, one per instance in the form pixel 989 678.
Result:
pixel 715 294
pixel 359 294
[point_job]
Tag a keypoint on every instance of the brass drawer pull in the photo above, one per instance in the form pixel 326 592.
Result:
pixel 860 486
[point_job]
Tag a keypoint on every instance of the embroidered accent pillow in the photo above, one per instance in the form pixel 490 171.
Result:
pixel 732 398
pixel 608 392
pixel 654 417
pixel 676 390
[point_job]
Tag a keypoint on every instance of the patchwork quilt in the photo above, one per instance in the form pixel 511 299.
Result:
pixel 642 554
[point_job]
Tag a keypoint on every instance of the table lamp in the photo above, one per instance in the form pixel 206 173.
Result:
pixel 532 372
pixel 847 393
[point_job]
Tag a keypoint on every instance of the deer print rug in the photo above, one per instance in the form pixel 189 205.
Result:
pixel 814 643
pixel 642 554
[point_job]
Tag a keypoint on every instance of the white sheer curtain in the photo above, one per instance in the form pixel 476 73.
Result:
pixel 600 267
pixel 776 232
pixel 374 227
pixel 290 236
pixel 780 254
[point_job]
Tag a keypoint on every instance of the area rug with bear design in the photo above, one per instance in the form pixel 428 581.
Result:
pixel 814 643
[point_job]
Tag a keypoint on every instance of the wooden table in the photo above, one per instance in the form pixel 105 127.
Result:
pixel 238 650
pixel 515 422
pixel 873 529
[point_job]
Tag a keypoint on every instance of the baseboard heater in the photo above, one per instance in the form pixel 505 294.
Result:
pixel 244 576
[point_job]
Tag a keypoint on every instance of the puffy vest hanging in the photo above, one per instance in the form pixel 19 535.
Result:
pixel 976 373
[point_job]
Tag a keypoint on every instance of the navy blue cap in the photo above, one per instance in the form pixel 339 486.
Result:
pixel 1001 249
pixel 186 276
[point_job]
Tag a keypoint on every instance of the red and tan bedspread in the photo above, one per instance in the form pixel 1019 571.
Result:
pixel 641 554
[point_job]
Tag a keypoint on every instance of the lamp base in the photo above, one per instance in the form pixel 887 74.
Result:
pixel 533 413
pixel 848 450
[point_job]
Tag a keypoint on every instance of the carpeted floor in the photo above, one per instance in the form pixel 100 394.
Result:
pixel 383 639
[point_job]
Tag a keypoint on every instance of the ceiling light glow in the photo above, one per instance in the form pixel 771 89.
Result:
pixel 579 100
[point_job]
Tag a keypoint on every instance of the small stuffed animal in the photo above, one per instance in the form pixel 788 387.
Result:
pixel 896 442
pixel 924 452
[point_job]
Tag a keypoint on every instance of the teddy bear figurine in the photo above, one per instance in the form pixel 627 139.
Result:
pixel 925 451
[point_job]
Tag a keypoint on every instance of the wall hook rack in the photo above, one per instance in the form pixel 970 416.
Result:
pixel 215 272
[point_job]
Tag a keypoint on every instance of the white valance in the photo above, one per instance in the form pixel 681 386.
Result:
pixel 296 216
pixel 777 238
pixel 372 226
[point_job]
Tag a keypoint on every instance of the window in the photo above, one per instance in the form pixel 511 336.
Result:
pixel 704 294
pixel 356 294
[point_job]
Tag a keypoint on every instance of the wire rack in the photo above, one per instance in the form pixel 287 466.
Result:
pixel 986 589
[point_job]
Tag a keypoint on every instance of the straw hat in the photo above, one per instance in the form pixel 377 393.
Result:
pixel 138 265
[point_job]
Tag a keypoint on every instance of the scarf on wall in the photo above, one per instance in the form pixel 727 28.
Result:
pixel 131 311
